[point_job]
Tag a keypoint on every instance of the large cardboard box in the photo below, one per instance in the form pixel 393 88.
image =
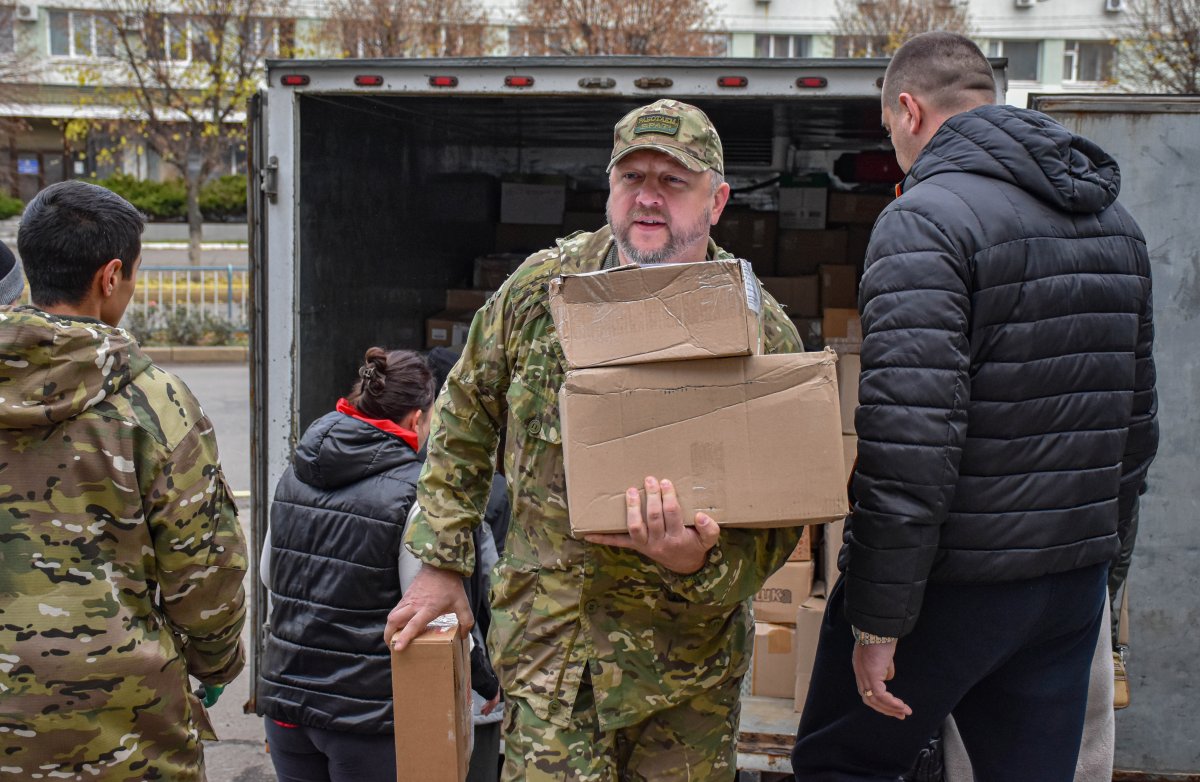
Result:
pixel 799 295
pixel 848 368
pixel 839 286
pixel 850 453
pixel 841 323
pixel 856 208
pixel 465 300
pixel 773 670
pixel 782 594
pixel 808 631
pixel 530 203
pixel 753 441
pixel 751 235
pixel 801 252
pixel 669 312
pixel 448 329
pixel 803 207
pixel 431 696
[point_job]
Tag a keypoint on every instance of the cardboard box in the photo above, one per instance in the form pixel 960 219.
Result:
pixel 803 551
pixel 803 207
pixel 431 694
pixel 634 315
pixel 848 367
pixel 533 203
pixel 839 286
pixel 849 453
pixel 841 323
pixel 782 594
pixel 801 252
pixel 750 235
pixel 753 441
pixel 448 329
pixel 490 271
pixel 808 631
pixel 800 296
pixel 773 671
pixel 525 239
pixel 464 300
pixel 856 208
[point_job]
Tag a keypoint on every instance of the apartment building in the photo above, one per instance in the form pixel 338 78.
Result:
pixel 1051 45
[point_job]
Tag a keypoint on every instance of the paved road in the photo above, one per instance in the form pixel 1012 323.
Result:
pixel 224 392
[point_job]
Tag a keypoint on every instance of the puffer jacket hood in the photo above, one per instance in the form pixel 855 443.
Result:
pixel 1027 149
pixel 54 368
pixel 338 450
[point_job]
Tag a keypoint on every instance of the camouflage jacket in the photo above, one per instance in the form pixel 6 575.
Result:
pixel 649 638
pixel 121 558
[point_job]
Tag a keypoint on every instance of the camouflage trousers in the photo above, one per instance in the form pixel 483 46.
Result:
pixel 693 741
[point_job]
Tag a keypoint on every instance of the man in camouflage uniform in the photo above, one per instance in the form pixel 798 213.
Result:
pixel 121 558
pixel 621 655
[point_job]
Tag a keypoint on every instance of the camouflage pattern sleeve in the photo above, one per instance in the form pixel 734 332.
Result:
pixel 201 555
pixel 457 476
pixel 744 558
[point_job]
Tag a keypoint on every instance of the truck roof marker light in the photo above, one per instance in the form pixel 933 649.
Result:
pixel 653 83
pixel 597 83
pixel 518 81
pixel 732 81
pixel 812 82
pixel 443 81
pixel 368 81
pixel 294 80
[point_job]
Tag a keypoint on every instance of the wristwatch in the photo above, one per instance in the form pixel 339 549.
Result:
pixel 869 639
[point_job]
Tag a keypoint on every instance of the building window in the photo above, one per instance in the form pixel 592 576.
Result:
pixel 1024 58
pixel 1089 61
pixel 781 45
pixel 859 46
pixel 7 42
pixel 80 34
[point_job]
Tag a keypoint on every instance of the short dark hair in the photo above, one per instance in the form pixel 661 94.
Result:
pixel 70 230
pixel 947 69
pixel 391 384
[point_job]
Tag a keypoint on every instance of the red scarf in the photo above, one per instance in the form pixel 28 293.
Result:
pixel 383 424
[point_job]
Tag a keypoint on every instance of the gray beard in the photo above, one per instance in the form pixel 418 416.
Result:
pixel 668 251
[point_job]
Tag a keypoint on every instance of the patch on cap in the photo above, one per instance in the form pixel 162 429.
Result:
pixel 656 123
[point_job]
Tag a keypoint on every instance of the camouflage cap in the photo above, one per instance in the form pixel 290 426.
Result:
pixel 674 128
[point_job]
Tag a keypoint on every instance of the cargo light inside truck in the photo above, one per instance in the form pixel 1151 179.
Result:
pixel 732 81
pixel 443 81
pixel 368 81
pixel 518 81
pixel 812 82
pixel 294 80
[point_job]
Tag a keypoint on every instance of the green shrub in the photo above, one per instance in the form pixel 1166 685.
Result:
pixel 10 207
pixel 224 197
pixel 157 200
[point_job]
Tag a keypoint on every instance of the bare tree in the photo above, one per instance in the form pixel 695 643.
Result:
pixel 181 72
pixel 1160 47
pixel 408 28
pixel 590 27
pixel 878 28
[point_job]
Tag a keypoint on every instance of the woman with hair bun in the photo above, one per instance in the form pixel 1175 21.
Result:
pixel 336 527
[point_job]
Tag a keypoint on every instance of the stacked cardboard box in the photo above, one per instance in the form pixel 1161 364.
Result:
pixel 672 354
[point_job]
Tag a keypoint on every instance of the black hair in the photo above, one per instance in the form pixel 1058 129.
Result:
pixel 947 69
pixel 68 232
pixel 391 384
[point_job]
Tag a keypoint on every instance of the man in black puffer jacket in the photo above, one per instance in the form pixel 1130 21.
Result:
pixel 1006 422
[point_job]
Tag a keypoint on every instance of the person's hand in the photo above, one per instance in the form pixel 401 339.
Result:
pixel 872 667
pixel 490 706
pixel 433 592
pixel 209 693
pixel 661 535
